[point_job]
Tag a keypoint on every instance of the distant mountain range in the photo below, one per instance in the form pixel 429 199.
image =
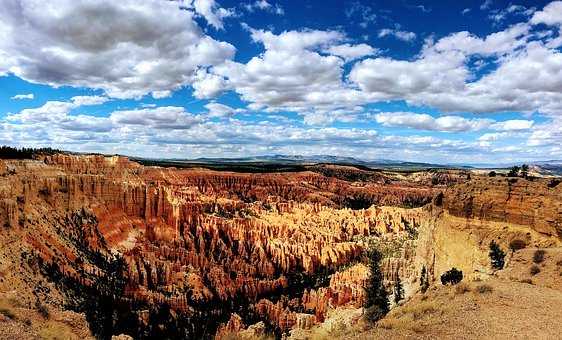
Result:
pixel 550 167
pixel 316 159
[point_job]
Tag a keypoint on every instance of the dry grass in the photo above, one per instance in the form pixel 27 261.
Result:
pixel 462 288
pixel 408 317
pixel 417 311
pixel 53 330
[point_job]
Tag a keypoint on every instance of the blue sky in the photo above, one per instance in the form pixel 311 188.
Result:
pixel 454 82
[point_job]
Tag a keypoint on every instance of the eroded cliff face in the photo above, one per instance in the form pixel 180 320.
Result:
pixel 151 251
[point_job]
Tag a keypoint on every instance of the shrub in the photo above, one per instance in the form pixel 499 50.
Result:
pixel 497 256
pixel 553 183
pixel 535 270
pixel 484 288
pixel 517 244
pixel 424 280
pixel 513 172
pixel 524 170
pixel 452 276
pixel 376 302
pixel 538 256
pixel 492 174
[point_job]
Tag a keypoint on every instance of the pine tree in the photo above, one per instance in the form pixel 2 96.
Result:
pixel 377 298
pixel 524 170
pixel 398 291
pixel 497 256
pixel 514 171
pixel 424 280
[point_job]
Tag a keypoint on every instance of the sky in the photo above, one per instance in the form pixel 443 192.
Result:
pixel 430 81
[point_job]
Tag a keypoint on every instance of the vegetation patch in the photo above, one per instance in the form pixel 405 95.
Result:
pixel 497 256
pixel 538 256
pixel 452 277
pixel 534 270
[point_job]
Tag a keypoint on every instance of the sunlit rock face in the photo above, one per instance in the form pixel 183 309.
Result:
pixel 156 252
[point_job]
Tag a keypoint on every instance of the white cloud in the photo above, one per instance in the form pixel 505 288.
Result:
pixel 527 77
pixel 393 79
pixel 351 52
pixel 127 48
pixel 55 110
pixel 164 117
pixel 264 5
pixel 161 94
pixel 291 74
pixel 494 44
pixel 218 110
pixel 23 96
pixel 550 15
pixel 398 34
pixel 423 121
pixel 208 85
pixel 500 15
pixel 210 10
pixel 513 125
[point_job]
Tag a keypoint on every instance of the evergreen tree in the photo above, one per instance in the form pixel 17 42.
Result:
pixel 524 170
pixel 398 291
pixel 424 280
pixel 513 172
pixel 452 277
pixel 377 298
pixel 497 256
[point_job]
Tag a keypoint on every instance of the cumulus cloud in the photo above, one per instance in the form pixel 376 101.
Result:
pixel 494 44
pixel 527 77
pixel 55 110
pixel 550 15
pixel 292 73
pixel 211 11
pixel 23 96
pixel 127 48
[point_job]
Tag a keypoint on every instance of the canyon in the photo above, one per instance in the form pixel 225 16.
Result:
pixel 113 247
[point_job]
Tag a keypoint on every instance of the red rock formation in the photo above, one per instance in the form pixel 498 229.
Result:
pixel 196 240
